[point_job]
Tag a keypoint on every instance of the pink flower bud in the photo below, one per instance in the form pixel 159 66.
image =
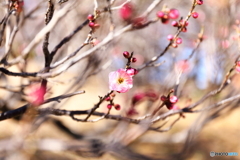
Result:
pixel 199 2
pixel 164 98
pixel 195 15
pixel 132 71
pixel 91 24
pixel 173 14
pixel 108 98
pixel 174 23
pixel 179 40
pixel 134 60
pixel 184 23
pixel 184 29
pixel 109 106
pixel 126 54
pixel 117 106
pixel 126 11
pixel 90 17
pixel 160 14
pixel 173 99
pixel 170 37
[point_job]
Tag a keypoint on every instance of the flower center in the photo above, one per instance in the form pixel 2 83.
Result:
pixel 120 80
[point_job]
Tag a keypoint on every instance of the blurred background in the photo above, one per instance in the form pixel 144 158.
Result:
pixel 192 137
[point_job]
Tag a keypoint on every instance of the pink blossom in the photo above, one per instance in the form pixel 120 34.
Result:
pixel 138 97
pixel 126 11
pixel 36 96
pixel 120 81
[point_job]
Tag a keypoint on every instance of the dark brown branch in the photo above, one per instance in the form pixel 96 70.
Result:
pixel 22 74
pixel 49 15
pixel 23 109
pixel 97 105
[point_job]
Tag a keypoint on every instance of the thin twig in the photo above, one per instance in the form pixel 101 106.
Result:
pixel 155 58
pixel 167 129
pixel 43 32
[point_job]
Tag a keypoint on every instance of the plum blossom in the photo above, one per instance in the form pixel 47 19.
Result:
pixel 36 96
pixel 120 81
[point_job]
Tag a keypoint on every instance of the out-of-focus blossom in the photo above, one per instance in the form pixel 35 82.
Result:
pixel 126 11
pixel 173 14
pixel 132 112
pixel 138 97
pixel 183 66
pixel 225 44
pixel 36 96
pixel 120 81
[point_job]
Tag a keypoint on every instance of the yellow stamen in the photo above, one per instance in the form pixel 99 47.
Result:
pixel 120 80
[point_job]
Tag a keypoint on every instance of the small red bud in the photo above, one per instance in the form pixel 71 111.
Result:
pixel 126 11
pixel 174 23
pixel 195 15
pixel 126 54
pixel 113 94
pixel 117 106
pixel 199 2
pixel 91 24
pixel 170 37
pixel 164 98
pixel 179 40
pixel 160 14
pixel 90 17
pixel 134 60
pixel 173 99
pixel 173 13
pixel 108 98
pixel 132 71
pixel 184 29
pixel 109 106
pixel 184 23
